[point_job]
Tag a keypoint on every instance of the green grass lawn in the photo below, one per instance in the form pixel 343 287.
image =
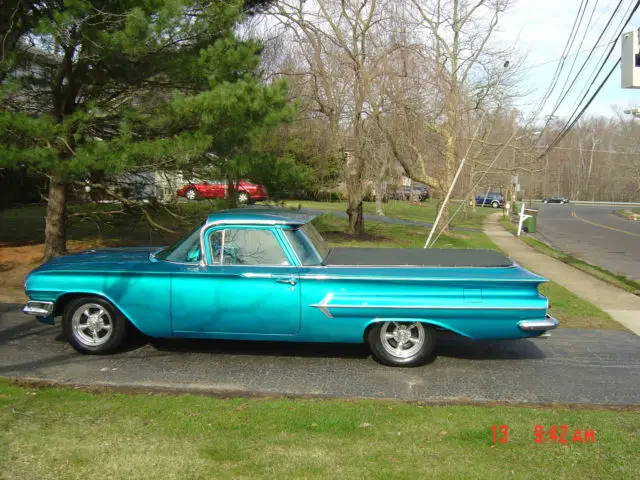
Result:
pixel 53 433
pixel 415 211
pixel 380 234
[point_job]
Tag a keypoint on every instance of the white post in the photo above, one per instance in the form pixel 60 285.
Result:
pixel 521 219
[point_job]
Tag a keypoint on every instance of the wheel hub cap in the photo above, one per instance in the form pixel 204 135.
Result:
pixel 91 324
pixel 402 340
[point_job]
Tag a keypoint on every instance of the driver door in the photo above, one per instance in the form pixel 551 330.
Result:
pixel 249 286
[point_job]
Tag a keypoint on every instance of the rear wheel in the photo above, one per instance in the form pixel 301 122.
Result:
pixel 402 344
pixel 495 204
pixel 93 326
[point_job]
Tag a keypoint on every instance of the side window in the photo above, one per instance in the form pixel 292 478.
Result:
pixel 245 247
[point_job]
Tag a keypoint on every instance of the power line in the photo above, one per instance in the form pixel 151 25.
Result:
pixel 536 65
pixel 567 48
pixel 563 92
pixel 583 92
pixel 584 64
pixel 568 126
pixel 564 132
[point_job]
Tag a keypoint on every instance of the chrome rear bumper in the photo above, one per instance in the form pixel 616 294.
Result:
pixel 549 323
pixel 41 309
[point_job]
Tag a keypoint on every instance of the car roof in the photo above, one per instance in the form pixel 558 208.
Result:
pixel 264 216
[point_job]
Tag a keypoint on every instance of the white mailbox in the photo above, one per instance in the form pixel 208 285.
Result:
pixel 630 60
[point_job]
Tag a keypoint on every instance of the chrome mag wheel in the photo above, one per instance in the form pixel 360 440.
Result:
pixel 402 340
pixel 92 325
pixel 190 194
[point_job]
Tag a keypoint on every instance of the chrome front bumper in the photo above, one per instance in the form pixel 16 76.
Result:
pixel 549 323
pixel 41 309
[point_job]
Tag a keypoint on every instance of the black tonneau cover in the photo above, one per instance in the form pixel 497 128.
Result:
pixel 420 257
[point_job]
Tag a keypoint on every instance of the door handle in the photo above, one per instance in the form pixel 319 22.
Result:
pixel 288 281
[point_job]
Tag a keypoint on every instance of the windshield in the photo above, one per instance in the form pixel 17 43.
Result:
pixel 185 250
pixel 309 245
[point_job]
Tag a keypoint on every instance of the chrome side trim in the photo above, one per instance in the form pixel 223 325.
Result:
pixel 41 309
pixel 256 275
pixel 414 279
pixel 549 323
pixel 324 307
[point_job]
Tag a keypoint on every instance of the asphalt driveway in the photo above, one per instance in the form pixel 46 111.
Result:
pixel 572 366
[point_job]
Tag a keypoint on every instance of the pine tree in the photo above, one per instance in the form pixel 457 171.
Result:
pixel 84 76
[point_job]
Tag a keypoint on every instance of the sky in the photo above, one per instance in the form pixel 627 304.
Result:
pixel 540 29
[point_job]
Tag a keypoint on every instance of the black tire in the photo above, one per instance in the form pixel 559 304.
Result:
pixel 495 204
pixel 93 319
pixel 423 353
pixel 191 194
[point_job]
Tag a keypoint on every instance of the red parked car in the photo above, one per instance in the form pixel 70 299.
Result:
pixel 247 192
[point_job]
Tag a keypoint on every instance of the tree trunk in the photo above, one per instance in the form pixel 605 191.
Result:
pixel 356 219
pixel 55 235
pixel 232 194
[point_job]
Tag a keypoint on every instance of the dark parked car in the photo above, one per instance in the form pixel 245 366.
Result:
pixel 492 199
pixel 415 193
pixel 556 200
pixel 247 192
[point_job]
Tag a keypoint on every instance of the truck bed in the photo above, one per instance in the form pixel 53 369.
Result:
pixel 416 257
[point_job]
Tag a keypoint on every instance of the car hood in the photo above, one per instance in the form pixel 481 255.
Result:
pixel 101 258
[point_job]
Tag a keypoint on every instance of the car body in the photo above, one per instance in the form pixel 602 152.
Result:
pixel 266 274
pixel 556 200
pixel 247 192
pixel 491 199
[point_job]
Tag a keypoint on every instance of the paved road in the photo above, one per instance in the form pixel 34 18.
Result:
pixel 573 366
pixel 594 234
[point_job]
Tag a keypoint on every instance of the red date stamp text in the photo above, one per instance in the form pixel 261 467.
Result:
pixel 557 434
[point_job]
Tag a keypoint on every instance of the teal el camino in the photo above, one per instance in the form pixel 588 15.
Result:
pixel 267 274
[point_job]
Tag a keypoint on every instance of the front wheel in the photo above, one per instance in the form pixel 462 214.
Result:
pixel 93 326
pixel 495 204
pixel 402 344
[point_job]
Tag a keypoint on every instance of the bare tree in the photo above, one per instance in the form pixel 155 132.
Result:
pixel 467 68
pixel 338 43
